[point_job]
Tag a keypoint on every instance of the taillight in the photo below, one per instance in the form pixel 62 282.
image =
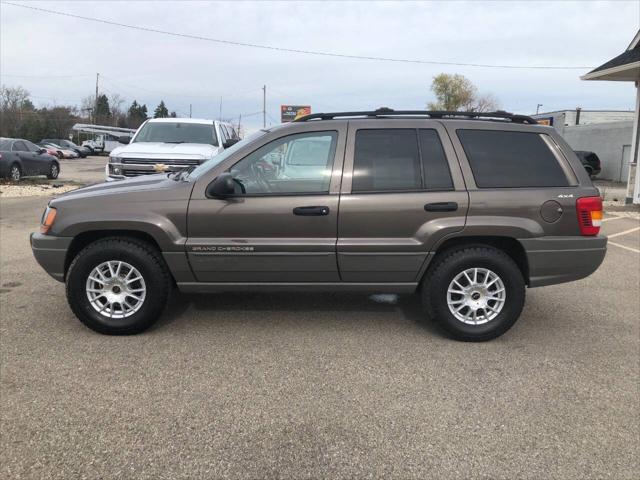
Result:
pixel 589 215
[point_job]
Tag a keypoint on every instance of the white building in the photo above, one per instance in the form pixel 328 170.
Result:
pixel 560 119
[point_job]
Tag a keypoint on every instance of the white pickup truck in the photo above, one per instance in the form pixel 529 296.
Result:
pixel 169 145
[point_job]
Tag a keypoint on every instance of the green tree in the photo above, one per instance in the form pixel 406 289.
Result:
pixel 161 111
pixel 136 114
pixel 103 111
pixel 457 93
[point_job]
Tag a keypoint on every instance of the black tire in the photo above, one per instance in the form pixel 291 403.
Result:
pixel 15 172
pixel 453 262
pixel 145 258
pixel 54 171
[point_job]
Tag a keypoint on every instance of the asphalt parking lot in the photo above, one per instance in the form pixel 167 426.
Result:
pixel 317 385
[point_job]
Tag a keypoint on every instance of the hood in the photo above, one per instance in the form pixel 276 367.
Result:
pixel 143 183
pixel 165 151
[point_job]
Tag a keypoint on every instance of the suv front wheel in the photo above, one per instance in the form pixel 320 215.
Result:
pixel 118 286
pixel 475 293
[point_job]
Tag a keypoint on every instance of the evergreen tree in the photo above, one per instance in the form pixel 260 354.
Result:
pixel 136 114
pixel 103 111
pixel 161 111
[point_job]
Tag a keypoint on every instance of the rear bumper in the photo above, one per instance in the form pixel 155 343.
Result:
pixel 563 259
pixel 51 253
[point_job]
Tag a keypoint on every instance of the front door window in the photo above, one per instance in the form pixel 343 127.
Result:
pixel 295 164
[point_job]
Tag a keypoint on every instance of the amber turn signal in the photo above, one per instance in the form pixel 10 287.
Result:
pixel 47 219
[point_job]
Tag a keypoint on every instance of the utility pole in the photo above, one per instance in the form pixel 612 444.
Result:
pixel 264 106
pixel 239 122
pixel 220 116
pixel 189 110
pixel 95 109
pixel 538 108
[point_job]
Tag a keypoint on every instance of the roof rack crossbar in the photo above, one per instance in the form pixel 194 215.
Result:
pixel 439 114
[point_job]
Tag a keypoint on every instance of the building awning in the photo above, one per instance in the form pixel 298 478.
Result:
pixel 623 68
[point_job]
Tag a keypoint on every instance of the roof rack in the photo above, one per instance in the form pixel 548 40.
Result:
pixel 436 114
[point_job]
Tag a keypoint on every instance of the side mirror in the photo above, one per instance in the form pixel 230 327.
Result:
pixel 41 151
pixel 222 187
pixel 230 142
pixel 125 139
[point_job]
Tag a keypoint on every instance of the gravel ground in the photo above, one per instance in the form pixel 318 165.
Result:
pixel 318 385
pixel 34 190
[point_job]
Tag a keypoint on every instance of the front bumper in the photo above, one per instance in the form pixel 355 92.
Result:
pixel 51 253
pixel 563 259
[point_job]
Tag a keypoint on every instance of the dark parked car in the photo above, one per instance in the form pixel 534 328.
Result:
pixel 466 209
pixel 82 151
pixel 590 161
pixel 21 158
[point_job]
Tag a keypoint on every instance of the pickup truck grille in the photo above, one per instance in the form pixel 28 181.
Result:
pixel 166 161
pixel 135 173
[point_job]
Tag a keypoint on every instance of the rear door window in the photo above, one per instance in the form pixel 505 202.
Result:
pixel 436 168
pixel 396 160
pixel 505 159
pixel 19 146
pixel 386 160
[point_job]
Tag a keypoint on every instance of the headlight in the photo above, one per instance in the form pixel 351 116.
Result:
pixel 114 159
pixel 48 217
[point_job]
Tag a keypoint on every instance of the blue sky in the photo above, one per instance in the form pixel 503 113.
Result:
pixel 37 49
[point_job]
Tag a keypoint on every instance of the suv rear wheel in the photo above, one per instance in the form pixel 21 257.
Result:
pixel 118 286
pixel 475 293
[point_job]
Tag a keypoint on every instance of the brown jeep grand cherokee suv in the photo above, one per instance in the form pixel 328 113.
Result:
pixel 466 209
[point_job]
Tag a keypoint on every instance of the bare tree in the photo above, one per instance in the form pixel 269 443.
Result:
pixel 14 102
pixel 117 113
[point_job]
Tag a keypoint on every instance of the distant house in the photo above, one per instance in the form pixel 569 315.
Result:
pixel 626 68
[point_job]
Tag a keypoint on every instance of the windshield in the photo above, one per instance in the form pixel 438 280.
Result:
pixel 208 165
pixel 68 143
pixel 177 132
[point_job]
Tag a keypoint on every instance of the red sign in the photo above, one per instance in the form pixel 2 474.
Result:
pixel 288 113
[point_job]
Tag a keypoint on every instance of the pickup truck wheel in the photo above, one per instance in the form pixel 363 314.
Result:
pixel 475 293
pixel 118 286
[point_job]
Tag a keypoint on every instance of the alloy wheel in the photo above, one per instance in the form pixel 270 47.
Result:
pixel 476 296
pixel 116 289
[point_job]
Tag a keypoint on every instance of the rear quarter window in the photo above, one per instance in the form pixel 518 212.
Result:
pixel 504 159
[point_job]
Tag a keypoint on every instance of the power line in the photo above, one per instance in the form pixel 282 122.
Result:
pixel 155 92
pixel 295 50
pixel 46 76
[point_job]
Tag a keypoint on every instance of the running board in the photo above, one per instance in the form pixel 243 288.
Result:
pixel 209 287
